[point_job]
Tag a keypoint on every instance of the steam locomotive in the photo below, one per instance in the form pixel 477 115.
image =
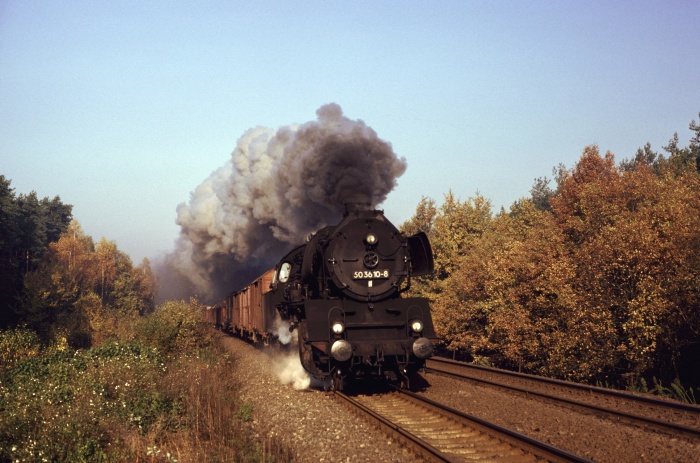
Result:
pixel 343 293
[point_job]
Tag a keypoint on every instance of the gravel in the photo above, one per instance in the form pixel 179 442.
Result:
pixel 586 435
pixel 310 422
pixel 316 428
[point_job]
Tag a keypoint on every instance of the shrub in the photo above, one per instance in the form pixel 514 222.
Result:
pixel 69 405
pixel 176 327
pixel 17 345
pixel 135 400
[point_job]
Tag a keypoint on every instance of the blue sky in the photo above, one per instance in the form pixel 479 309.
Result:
pixel 124 108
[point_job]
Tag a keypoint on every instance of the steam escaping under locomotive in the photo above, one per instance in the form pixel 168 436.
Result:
pixel 343 292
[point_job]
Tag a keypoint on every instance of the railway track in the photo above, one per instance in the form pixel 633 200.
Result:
pixel 674 418
pixel 438 433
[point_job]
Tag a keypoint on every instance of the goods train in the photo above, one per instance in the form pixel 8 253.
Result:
pixel 343 291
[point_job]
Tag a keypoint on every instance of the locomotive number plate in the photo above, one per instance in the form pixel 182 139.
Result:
pixel 370 274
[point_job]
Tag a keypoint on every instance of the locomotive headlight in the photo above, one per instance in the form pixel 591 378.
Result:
pixel 371 239
pixel 417 326
pixel 338 327
pixel 423 348
pixel 341 350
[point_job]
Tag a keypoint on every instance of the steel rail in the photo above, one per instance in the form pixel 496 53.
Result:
pixel 665 426
pixel 419 446
pixel 540 451
pixel 537 447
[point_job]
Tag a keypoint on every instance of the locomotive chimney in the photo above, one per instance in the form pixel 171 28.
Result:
pixel 356 207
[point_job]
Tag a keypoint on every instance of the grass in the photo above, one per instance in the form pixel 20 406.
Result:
pixel 166 395
pixel 675 391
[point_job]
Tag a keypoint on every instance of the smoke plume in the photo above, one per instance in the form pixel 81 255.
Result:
pixel 277 187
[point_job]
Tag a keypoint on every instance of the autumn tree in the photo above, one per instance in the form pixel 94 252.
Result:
pixel 147 285
pixel 106 257
pixel 535 322
pixel 422 220
pixel 512 302
pixel 453 229
pixel 457 225
pixel 85 292
pixel 681 159
pixel 592 279
pixel 633 234
pixel 52 291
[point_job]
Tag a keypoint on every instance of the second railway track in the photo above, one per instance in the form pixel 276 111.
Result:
pixel 674 418
pixel 438 433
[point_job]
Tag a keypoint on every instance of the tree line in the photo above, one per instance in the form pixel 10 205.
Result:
pixel 595 277
pixel 89 370
pixel 57 281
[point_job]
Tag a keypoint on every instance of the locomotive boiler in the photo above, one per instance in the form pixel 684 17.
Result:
pixel 344 292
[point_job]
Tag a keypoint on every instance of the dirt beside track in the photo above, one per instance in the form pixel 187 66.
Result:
pixel 318 429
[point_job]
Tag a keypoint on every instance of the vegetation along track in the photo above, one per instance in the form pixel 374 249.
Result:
pixel 675 418
pixel 438 433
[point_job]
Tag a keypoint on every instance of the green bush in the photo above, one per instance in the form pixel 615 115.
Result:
pixel 166 394
pixel 176 327
pixel 67 405
pixel 245 412
pixel 16 345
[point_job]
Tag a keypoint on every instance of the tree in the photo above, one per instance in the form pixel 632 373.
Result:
pixel 85 292
pixel 541 192
pixel 633 233
pixel 685 159
pixel 602 285
pixel 40 222
pixel 694 146
pixel 10 275
pixel 27 226
pixel 595 280
pixel 422 220
pixel 530 292
pixel 454 229
pixel 580 205
pixel 147 284
pixel 106 256
pixel 52 290
pixel 644 157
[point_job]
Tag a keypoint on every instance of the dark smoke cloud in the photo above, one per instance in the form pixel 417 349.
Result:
pixel 276 189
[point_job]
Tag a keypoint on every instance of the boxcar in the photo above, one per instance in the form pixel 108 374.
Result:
pixel 251 311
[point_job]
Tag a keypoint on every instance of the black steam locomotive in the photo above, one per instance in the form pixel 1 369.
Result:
pixel 342 291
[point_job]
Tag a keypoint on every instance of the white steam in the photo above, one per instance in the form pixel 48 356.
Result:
pixel 277 187
pixel 289 370
pixel 287 365
pixel 281 329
